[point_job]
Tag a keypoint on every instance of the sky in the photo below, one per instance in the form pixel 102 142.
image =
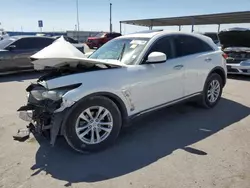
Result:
pixel 60 15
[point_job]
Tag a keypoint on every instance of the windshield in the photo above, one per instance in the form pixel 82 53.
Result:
pixel 126 50
pixel 5 42
pixel 99 35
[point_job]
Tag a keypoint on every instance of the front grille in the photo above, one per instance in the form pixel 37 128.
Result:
pixel 232 70
pixel 245 70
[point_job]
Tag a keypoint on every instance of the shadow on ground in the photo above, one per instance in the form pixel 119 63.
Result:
pixel 151 138
pixel 20 77
pixel 239 77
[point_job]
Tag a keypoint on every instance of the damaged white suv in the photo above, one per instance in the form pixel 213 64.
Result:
pixel 89 100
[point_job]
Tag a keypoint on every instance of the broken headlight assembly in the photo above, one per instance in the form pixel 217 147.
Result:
pixel 40 93
pixel 54 95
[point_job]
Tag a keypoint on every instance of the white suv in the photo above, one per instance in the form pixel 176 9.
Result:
pixel 89 100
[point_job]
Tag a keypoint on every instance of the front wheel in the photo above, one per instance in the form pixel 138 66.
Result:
pixel 212 91
pixel 93 125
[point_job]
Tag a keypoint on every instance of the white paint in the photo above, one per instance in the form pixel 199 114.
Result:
pixel 61 53
pixel 156 57
pixel 149 85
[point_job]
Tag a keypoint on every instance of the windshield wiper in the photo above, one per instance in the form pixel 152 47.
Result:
pixel 122 52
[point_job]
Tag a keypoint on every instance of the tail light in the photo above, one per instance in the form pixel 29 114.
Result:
pixel 225 55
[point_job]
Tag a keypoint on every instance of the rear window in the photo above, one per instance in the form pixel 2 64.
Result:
pixel 100 35
pixel 213 36
pixel 187 45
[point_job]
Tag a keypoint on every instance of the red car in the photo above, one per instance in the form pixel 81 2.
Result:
pixel 100 39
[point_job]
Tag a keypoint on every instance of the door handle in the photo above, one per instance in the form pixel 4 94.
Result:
pixel 208 59
pixel 178 67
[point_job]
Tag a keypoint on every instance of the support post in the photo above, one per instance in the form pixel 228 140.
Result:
pixel 218 28
pixel 193 22
pixel 121 27
pixel 110 17
pixel 77 19
pixel 179 27
pixel 151 25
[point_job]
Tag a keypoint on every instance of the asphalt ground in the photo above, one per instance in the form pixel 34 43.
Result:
pixel 181 146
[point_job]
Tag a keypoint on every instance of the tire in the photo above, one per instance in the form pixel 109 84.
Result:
pixel 204 100
pixel 83 146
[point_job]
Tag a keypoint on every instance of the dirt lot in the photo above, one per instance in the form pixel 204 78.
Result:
pixel 182 146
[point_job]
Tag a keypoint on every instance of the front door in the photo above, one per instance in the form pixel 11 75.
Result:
pixel 158 83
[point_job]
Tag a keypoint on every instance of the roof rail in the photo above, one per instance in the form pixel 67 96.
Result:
pixel 149 31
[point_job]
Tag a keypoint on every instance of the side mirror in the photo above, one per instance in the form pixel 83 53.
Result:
pixel 156 57
pixel 11 47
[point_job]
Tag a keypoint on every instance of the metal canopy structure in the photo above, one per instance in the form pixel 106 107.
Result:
pixel 207 19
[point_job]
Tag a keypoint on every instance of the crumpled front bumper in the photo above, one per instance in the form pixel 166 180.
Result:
pixel 46 116
pixel 26 115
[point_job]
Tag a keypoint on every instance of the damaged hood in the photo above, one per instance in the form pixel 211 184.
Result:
pixel 61 53
pixel 235 37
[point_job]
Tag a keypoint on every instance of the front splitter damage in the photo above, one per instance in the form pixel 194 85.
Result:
pixel 44 119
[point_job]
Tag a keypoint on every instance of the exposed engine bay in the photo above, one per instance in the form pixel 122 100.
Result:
pixel 236 44
pixel 46 108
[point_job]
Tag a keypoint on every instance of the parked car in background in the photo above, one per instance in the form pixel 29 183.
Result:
pixel 15 51
pixel 100 39
pixel 89 100
pixel 236 44
pixel 214 36
pixel 78 45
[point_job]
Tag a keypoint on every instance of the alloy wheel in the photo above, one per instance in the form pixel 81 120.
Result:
pixel 213 91
pixel 94 125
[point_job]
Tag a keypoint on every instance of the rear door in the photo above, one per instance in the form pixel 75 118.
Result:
pixel 18 57
pixel 197 57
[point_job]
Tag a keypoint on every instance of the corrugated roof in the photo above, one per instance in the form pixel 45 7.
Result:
pixel 221 18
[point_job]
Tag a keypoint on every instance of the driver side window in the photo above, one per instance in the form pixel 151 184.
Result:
pixel 163 45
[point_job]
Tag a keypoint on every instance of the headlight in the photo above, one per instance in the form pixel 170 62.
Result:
pixel 55 94
pixel 37 94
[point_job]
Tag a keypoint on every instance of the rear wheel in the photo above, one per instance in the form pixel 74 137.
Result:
pixel 212 91
pixel 93 125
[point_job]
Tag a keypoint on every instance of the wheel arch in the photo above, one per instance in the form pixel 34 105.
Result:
pixel 113 97
pixel 116 99
pixel 220 71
